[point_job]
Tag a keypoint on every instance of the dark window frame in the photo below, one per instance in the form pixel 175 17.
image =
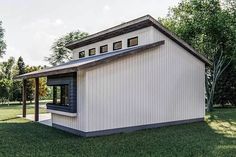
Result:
pixel 117 43
pixel 82 52
pixel 101 47
pixel 128 41
pixel 69 79
pixel 92 54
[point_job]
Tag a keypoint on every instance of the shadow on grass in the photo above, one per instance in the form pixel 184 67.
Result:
pixel 7 119
pixel 227 115
pixel 33 139
pixel 223 122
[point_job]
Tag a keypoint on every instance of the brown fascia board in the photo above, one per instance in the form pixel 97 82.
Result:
pixel 134 25
pixel 107 34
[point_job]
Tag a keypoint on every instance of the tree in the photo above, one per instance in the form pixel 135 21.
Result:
pixel 17 84
pixel 6 68
pixel 212 76
pixel 2 42
pixel 5 87
pixel 11 90
pixel 60 53
pixel 6 79
pixel 227 86
pixel 20 69
pixel 21 66
pixel 209 27
pixel 43 89
pixel 17 91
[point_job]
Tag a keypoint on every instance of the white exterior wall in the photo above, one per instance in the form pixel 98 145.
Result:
pixel 161 85
pixel 144 37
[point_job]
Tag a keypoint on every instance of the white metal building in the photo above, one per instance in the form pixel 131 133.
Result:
pixel 132 76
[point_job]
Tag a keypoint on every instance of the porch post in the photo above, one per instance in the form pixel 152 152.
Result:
pixel 36 113
pixel 24 98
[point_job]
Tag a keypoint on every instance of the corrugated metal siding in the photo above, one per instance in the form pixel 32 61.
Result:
pixel 144 37
pixel 78 122
pixel 161 85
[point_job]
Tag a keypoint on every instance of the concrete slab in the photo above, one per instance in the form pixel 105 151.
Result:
pixel 44 118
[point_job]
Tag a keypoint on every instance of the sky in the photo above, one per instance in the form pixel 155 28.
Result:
pixel 31 26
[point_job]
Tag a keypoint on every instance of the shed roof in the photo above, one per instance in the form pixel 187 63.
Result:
pixel 134 25
pixel 74 65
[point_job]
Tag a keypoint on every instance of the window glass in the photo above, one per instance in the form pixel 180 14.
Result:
pixel 103 48
pixel 117 45
pixel 81 54
pixel 92 52
pixel 60 95
pixel 132 41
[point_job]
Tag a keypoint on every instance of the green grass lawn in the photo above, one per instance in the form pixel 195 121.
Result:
pixel 214 137
pixel 11 111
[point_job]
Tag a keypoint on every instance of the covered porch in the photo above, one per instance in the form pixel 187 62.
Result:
pixel 62 81
pixel 63 99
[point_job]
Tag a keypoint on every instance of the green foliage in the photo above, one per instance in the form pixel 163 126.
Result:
pixel 2 42
pixel 226 88
pixel 60 53
pixel 204 25
pixel 43 89
pixel 17 91
pixel 21 66
pixel 210 27
pixel 6 82
pixel 5 88
pixel 11 90
pixel 17 84
pixel 6 68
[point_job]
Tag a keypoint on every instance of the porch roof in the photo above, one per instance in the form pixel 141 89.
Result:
pixel 74 65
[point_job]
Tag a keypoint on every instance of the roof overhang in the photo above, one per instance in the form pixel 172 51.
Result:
pixel 142 22
pixel 123 28
pixel 75 65
pixel 134 25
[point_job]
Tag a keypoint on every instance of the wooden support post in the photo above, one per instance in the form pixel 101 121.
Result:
pixel 36 113
pixel 24 98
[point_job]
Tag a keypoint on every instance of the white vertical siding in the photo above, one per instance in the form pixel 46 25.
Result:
pixel 161 85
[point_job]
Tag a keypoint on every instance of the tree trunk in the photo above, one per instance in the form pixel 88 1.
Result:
pixel 219 65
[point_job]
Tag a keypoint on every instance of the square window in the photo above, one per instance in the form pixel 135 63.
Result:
pixel 81 54
pixel 117 45
pixel 103 48
pixel 92 52
pixel 60 95
pixel 63 92
pixel 132 42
